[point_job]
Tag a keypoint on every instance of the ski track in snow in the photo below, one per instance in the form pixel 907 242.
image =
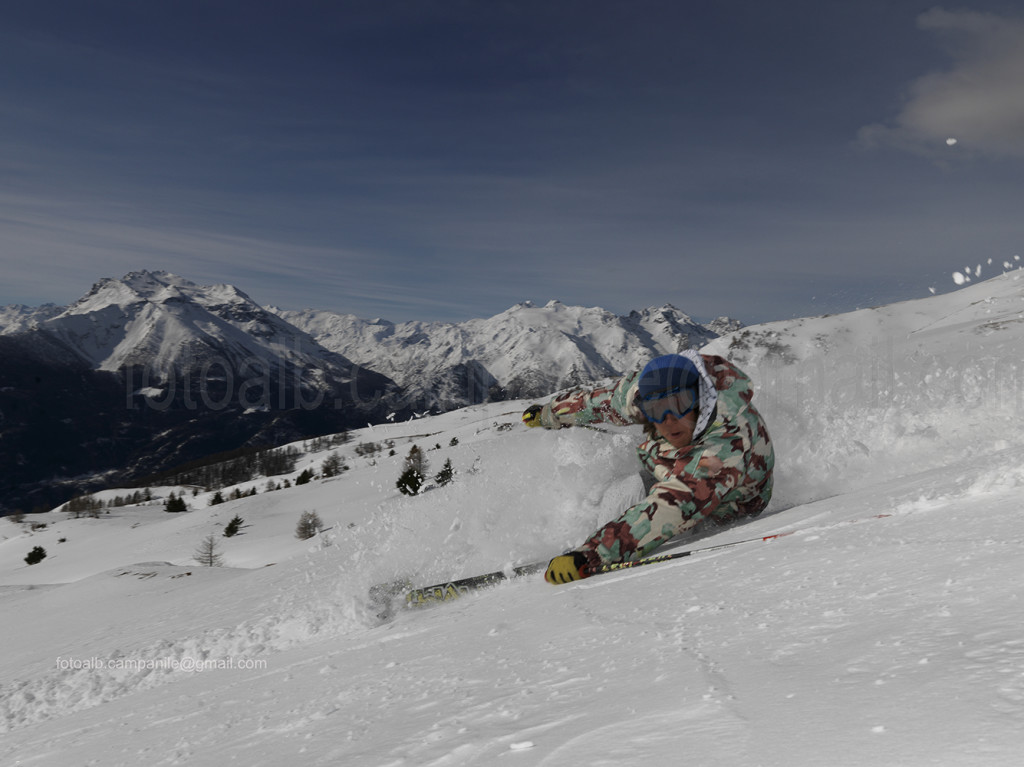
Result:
pixel 884 630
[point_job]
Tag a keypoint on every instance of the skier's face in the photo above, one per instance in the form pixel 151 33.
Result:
pixel 678 432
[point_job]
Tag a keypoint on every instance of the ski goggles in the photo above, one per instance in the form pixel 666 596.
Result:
pixel 659 405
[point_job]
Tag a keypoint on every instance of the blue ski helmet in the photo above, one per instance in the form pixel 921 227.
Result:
pixel 668 373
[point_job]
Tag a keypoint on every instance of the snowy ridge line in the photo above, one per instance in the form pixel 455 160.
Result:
pixel 527 350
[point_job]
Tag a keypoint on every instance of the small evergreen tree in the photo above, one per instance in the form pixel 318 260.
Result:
pixel 175 503
pixel 414 473
pixel 208 553
pixel 231 528
pixel 410 481
pixel 309 525
pixel 218 498
pixel 38 554
pixel 304 477
pixel 446 475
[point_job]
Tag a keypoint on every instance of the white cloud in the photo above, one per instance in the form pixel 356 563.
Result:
pixel 980 100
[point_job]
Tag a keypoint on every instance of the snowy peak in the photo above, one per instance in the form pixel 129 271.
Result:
pixel 17 318
pixel 524 351
pixel 162 321
pixel 166 322
pixel 132 289
pixel 130 366
pixel 161 289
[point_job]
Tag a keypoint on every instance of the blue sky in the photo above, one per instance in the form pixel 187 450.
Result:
pixel 442 160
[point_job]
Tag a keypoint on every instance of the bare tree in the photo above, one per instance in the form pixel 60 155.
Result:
pixel 208 553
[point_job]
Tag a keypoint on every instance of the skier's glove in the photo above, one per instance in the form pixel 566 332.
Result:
pixel 566 568
pixel 543 415
pixel 531 416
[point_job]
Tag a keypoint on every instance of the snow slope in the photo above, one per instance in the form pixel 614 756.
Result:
pixel 884 631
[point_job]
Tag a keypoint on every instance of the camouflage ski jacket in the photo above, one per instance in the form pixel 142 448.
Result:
pixel 725 474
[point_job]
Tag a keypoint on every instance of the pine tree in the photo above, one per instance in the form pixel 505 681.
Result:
pixel 218 498
pixel 175 503
pixel 38 554
pixel 410 481
pixel 446 475
pixel 231 528
pixel 414 472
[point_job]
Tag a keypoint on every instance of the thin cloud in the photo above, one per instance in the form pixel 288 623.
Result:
pixel 978 104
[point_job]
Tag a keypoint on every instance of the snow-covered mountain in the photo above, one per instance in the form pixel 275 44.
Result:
pixel 884 630
pixel 151 370
pixel 18 317
pixel 526 351
pixel 170 326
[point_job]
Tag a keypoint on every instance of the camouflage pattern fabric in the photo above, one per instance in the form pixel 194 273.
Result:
pixel 724 475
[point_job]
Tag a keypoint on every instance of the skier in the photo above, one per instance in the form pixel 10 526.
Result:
pixel 707 455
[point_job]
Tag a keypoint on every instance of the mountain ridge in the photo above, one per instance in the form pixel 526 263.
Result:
pixel 152 370
pixel 524 351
